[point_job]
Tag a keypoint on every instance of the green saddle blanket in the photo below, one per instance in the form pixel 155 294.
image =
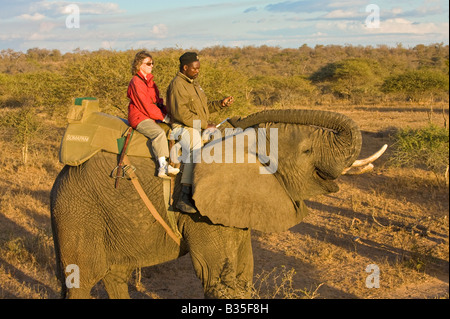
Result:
pixel 99 132
pixel 90 131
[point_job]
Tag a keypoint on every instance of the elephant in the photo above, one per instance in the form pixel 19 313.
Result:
pixel 109 232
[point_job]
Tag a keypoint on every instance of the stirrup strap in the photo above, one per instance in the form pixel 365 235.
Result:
pixel 148 203
pixel 119 169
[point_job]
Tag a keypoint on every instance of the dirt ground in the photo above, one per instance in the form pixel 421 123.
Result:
pixel 393 219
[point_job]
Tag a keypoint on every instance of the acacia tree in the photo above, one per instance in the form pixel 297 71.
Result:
pixel 417 84
pixel 103 74
pixel 26 127
pixel 353 78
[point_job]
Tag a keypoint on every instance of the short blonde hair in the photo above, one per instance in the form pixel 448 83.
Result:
pixel 138 59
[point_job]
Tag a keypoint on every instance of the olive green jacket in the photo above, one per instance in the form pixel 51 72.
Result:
pixel 186 101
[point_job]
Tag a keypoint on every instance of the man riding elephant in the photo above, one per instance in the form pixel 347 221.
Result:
pixel 186 103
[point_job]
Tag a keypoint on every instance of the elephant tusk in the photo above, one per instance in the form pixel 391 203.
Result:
pixel 370 159
pixel 358 170
pixel 365 165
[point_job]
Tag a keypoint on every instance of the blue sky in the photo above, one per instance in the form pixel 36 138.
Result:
pixel 122 25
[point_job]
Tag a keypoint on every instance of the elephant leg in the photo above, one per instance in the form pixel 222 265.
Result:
pixel 116 282
pixel 245 266
pixel 78 281
pixel 219 259
pixel 83 289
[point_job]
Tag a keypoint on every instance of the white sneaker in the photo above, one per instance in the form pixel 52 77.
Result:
pixel 166 170
pixel 172 170
pixel 162 172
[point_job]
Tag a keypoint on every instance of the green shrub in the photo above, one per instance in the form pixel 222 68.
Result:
pixel 354 78
pixel 281 90
pixel 43 90
pixel 102 74
pixel 416 84
pixel 26 126
pixel 255 76
pixel 219 80
pixel 427 147
pixel 167 65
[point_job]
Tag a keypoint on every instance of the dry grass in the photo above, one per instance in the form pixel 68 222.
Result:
pixel 396 218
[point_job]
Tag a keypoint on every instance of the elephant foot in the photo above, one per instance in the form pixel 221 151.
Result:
pixel 224 291
pixel 116 282
pixel 78 293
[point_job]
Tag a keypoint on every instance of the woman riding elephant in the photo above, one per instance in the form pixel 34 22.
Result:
pixel 146 108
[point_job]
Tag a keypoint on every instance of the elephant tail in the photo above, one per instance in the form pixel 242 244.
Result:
pixel 60 275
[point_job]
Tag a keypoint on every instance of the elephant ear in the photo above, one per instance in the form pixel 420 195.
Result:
pixel 238 195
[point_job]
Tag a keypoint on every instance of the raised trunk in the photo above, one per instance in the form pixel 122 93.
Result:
pixel 345 134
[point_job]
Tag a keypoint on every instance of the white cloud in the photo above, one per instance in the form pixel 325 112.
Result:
pixel 342 14
pixel 35 17
pixel 47 26
pixel 397 11
pixel 309 6
pixel 108 44
pixel 10 36
pixel 144 44
pixel 394 26
pixel 400 25
pixel 40 36
pixel 60 8
pixel 347 4
pixel 160 31
pixel 99 8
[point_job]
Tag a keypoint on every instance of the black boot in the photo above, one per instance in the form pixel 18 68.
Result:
pixel 185 202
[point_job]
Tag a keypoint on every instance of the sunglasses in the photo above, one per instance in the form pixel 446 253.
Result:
pixel 149 63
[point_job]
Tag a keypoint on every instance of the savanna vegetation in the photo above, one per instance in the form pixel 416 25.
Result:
pixel 395 217
pixel 259 76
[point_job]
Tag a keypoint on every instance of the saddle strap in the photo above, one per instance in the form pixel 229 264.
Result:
pixel 148 203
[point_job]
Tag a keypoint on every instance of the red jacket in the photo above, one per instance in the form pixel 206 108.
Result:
pixel 144 97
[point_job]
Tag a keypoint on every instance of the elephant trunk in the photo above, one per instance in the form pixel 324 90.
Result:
pixel 343 137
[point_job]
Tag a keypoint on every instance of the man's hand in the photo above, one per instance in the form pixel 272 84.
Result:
pixel 208 132
pixel 227 101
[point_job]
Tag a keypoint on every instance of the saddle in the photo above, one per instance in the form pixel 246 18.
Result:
pixel 90 131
